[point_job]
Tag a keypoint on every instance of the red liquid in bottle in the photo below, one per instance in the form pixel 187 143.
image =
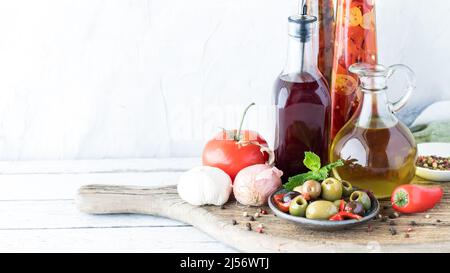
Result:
pixel 303 122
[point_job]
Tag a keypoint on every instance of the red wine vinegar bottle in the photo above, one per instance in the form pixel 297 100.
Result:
pixel 302 101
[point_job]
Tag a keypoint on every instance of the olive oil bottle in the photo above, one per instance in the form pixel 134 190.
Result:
pixel 379 152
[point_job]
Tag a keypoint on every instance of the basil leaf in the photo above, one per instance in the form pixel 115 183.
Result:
pixel 318 175
pixel 312 161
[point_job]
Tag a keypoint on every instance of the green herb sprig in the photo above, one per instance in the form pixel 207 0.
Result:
pixel 318 173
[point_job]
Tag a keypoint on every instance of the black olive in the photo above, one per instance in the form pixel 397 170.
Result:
pixel 355 208
pixel 288 197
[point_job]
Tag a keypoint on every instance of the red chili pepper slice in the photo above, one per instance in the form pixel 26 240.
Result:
pixel 336 217
pixel 343 215
pixel 284 207
pixel 342 205
pixel 349 215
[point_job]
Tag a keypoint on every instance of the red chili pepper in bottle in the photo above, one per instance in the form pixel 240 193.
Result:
pixel 278 199
pixel 415 199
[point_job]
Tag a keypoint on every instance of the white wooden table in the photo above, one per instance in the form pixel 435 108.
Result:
pixel 38 212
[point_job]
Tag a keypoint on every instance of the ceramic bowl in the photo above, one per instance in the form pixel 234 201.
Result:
pixel 437 149
pixel 324 225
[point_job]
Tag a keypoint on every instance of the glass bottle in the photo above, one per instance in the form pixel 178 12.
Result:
pixel 379 152
pixel 355 42
pixel 302 100
pixel 324 11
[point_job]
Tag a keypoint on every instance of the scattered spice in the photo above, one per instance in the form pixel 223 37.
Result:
pixel 263 211
pixel 427 216
pixel 438 221
pixel 249 226
pixel 245 214
pixel 392 223
pixel 234 222
pixel 260 230
pixel 394 215
pixel 393 231
pixel 260 226
pixel 409 230
pixel 257 215
pixel 413 223
pixel 252 218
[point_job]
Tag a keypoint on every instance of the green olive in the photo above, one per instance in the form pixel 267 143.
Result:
pixel 331 189
pixel 312 189
pixel 347 188
pixel 321 210
pixel 298 206
pixel 363 198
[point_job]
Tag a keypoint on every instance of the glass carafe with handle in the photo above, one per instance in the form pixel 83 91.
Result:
pixel 379 151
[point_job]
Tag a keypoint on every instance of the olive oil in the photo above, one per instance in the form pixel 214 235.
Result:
pixel 376 159
pixel 378 151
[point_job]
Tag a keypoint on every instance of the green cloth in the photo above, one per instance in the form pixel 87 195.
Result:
pixel 438 131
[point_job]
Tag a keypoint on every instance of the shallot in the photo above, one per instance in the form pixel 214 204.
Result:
pixel 253 185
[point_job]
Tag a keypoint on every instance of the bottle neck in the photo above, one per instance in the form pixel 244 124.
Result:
pixel 301 57
pixel 374 110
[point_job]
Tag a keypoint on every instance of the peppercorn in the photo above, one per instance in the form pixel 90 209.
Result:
pixel 413 223
pixel 393 231
pixel 433 162
pixel 249 226
pixel 252 218
pixel 234 222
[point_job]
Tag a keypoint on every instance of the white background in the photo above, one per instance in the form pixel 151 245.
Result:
pixel 155 78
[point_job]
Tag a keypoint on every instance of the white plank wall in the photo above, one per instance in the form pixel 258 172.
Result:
pixel 94 79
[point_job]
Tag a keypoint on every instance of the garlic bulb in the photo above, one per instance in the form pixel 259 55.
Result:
pixel 253 185
pixel 205 186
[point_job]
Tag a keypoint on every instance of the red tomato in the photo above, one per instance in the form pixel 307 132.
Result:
pixel 226 153
pixel 415 199
pixel 231 151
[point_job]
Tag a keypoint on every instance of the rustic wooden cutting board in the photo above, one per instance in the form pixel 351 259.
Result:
pixel 429 233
